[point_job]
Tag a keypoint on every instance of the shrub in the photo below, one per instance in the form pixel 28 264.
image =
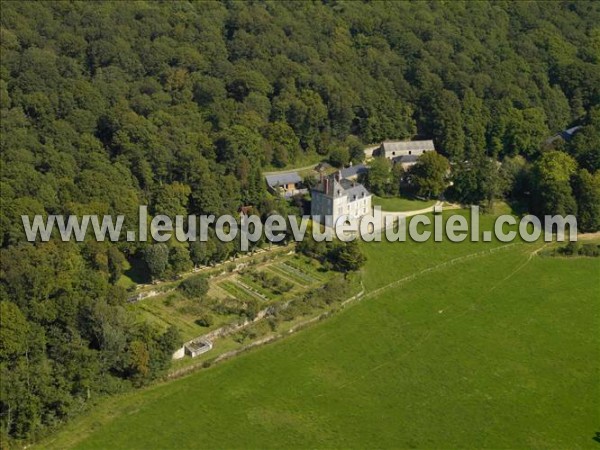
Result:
pixel 251 309
pixel 244 334
pixel 590 250
pixel 577 248
pixel 205 320
pixel 169 300
pixel 194 286
pixel 572 248
pixel 273 323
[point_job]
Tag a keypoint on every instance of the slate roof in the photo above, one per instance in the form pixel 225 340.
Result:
pixel 353 171
pixel 345 187
pixel 400 146
pixel 282 179
pixel 566 135
pixel 357 190
pixel 322 166
pixel 406 159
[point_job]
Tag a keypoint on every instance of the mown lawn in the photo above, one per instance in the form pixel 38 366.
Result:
pixel 496 351
pixel 401 204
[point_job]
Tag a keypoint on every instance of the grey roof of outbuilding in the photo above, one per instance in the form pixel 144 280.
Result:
pixel 566 135
pixel 283 178
pixel 353 170
pixel 322 166
pixel 404 159
pixel 398 146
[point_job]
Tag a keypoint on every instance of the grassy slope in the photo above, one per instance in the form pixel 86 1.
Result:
pixel 496 351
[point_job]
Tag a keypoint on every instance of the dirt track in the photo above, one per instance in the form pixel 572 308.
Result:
pixel 588 236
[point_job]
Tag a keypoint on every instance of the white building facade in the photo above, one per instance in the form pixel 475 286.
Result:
pixel 335 197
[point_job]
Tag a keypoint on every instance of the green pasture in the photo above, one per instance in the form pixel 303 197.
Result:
pixel 479 345
pixel 401 204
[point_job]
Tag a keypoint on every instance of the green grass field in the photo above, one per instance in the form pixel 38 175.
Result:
pixel 497 350
pixel 401 204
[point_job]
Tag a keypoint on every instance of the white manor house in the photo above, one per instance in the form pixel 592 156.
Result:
pixel 335 196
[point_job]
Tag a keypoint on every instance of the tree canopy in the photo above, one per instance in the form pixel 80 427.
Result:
pixel 106 106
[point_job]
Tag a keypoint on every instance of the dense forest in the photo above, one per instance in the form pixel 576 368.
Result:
pixel 180 106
